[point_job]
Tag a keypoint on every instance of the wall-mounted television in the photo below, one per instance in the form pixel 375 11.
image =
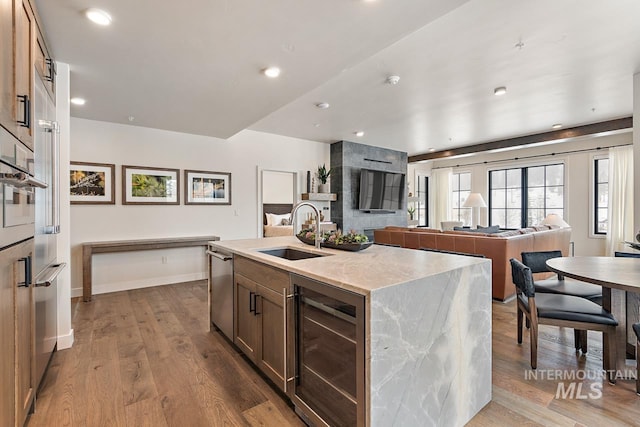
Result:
pixel 380 191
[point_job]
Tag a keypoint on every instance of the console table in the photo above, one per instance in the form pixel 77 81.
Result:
pixel 90 248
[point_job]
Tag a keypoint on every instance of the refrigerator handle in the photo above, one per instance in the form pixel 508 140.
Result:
pixel 50 277
pixel 54 129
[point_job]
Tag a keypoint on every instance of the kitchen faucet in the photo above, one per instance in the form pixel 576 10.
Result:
pixel 316 212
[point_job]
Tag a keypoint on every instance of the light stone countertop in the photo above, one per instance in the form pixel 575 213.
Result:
pixel 374 268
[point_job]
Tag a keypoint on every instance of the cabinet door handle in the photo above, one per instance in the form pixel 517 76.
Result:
pixel 252 302
pixel 51 70
pixel 27 272
pixel 26 111
pixel 255 304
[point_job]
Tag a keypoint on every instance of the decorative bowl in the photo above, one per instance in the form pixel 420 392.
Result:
pixel 352 247
pixel 305 240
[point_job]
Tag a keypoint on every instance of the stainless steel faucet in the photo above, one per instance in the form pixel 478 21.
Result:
pixel 316 212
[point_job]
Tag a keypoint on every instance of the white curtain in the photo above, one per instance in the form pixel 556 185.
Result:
pixel 620 198
pixel 441 190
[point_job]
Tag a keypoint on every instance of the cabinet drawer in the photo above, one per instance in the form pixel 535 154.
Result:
pixel 269 277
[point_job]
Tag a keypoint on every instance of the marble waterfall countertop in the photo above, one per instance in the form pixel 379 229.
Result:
pixel 427 326
pixel 361 272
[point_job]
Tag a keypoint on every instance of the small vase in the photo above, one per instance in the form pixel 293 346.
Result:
pixel 323 188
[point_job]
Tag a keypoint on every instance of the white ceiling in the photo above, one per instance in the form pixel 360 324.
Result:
pixel 194 66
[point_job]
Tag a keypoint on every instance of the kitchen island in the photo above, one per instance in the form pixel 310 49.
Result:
pixel 426 326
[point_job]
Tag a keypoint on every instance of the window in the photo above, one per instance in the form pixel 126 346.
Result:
pixel 460 189
pixel 522 197
pixel 422 192
pixel 601 195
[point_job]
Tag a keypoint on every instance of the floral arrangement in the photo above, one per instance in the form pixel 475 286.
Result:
pixel 334 237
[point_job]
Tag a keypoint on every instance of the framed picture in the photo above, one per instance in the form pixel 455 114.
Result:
pixel 92 183
pixel 150 186
pixel 207 188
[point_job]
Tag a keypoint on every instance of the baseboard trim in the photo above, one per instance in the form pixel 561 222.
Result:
pixel 65 341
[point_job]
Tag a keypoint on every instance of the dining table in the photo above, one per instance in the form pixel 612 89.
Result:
pixel 617 276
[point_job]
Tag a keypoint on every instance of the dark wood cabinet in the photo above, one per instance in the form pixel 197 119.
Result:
pixel 245 322
pixel 260 295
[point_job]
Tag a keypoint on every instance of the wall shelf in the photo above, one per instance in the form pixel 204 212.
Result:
pixel 325 197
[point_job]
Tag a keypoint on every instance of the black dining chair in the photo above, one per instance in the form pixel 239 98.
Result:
pixel 627 254
pixel 560 310
pixel 537 262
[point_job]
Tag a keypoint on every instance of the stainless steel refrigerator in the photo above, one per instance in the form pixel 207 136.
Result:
pixel 47 226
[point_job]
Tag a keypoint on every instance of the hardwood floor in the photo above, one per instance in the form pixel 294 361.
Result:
pixel 146 358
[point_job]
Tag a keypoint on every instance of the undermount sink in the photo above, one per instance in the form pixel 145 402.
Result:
pixel 291 254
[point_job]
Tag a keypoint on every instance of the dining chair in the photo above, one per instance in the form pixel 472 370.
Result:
pixel 636 329
pixel 560 310
pixel 627 254
pixel 537 262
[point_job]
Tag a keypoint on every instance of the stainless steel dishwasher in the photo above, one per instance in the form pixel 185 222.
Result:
pixel 221 288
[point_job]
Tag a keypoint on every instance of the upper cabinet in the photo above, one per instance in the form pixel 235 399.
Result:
pixel 6 65
pixel 23 52
pixel 45 65
pixel 25 31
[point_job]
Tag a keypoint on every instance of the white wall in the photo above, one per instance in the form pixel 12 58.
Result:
pixel 277 187
pixel 578 179
pixel 241 155
pixel 65 333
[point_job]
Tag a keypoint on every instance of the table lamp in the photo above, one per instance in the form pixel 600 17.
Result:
pixel 475 202
pixel 555 219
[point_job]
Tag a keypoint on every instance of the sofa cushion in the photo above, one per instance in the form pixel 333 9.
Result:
pixel 506 233
pixel 489 230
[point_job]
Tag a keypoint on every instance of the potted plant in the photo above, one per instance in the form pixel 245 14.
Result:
pixel 411 210
pixel 323 175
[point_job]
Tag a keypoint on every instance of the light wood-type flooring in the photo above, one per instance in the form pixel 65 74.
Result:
pixel 146 358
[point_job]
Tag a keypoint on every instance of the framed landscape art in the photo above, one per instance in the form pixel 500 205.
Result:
pixel 207 188
pixel 92 183
pixel 143 185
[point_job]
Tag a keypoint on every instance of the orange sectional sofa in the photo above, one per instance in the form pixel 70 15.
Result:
pixel 499 247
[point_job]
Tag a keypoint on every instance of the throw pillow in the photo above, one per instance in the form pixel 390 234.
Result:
pixel 489 230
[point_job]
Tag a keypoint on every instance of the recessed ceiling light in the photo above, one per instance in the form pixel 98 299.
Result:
pixel 323 105
pixel 271 72
pixel 556 126
pixel 431 150
pixel 316 125
pixel 98 16
pixel 78 101
pixel 499 91
pixel 359 133
pixel 393 80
